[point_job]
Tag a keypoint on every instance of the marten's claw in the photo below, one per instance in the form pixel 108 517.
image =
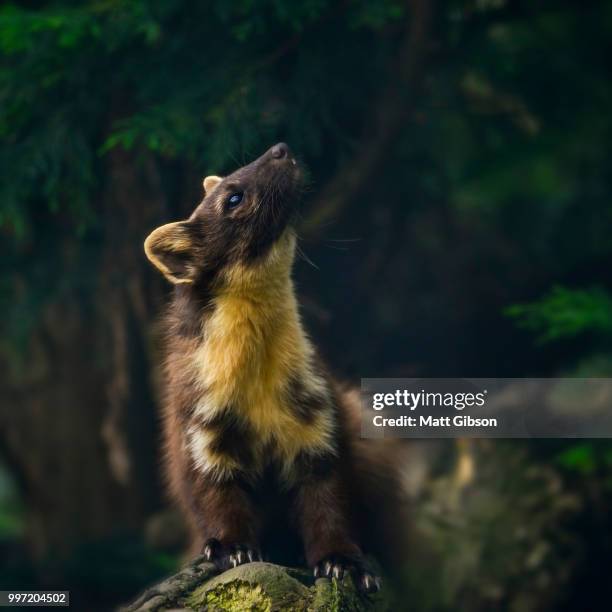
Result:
pixel 337 566
pixel 225 556
pixel 209 549
pixel 242 555
pixel 330 568
pixel 369 583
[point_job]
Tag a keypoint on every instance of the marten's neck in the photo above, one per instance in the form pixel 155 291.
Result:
pixel 264 285
pixel 251 341
pixel 251 359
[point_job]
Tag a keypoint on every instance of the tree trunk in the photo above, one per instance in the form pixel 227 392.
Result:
pixel 79 429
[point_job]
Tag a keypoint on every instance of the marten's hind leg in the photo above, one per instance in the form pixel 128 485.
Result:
pixel 323 514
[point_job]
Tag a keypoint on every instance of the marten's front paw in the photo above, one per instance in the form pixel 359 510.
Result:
pixel 225 555
pixel 336 566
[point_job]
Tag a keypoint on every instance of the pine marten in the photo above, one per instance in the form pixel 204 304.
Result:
pixel 259 440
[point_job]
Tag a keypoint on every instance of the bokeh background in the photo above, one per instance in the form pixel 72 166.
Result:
pixel 458 222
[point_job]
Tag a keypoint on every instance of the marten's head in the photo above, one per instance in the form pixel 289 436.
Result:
pixel 242 225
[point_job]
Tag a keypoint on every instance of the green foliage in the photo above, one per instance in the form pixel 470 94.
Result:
pixel 204 84
pixel 176 78
pixel 565 313
pixel 589 459
pixel 579 458
pixel 507 136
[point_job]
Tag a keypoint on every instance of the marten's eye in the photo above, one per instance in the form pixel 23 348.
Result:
pixel 234 200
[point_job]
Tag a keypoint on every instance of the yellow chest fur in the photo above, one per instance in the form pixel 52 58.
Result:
pixel 253 344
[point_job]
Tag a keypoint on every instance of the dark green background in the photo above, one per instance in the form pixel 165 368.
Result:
pixel 458 217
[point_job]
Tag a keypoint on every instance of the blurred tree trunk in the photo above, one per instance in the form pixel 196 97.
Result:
pixel 79 428
pixel 389 115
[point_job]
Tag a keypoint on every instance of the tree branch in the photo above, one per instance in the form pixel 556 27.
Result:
pixel 391 111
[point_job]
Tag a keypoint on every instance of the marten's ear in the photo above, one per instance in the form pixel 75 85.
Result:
pixel 171 249
pixel 210 182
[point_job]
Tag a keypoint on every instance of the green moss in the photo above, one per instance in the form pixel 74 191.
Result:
pixel 255 586
pixel 264 587
pixel 334 596
pixel 238 596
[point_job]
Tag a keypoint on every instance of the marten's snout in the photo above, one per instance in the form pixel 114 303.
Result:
pixel 280 150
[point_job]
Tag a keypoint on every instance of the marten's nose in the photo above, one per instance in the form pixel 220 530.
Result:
pixel 280 151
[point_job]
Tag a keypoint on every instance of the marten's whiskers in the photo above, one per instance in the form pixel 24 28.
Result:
pixel 305 257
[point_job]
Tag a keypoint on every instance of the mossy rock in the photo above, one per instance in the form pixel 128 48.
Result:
pixel 259 587
pixel 253 587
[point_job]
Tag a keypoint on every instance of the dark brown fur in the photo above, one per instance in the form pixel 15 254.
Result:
pixel 233 514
